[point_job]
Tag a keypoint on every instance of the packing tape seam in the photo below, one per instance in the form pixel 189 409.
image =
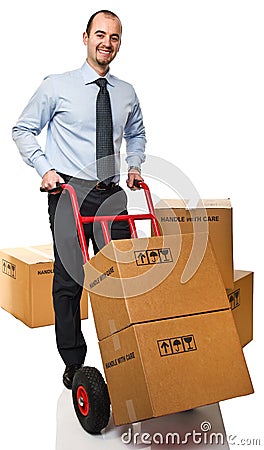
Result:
pixel 131 410
pixel 116 342
pixel 39 252
pixel 112 326
pixel 113 331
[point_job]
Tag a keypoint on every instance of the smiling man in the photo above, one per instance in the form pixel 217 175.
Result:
pixel 87 111
pixel 103 39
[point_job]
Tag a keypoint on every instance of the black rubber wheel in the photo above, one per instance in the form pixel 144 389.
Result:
pixel 91 399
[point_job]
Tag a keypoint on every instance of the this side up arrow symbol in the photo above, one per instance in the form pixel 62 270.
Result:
pixel 142 257
pixel 165 346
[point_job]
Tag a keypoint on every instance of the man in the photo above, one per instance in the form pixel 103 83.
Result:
pixel 69 104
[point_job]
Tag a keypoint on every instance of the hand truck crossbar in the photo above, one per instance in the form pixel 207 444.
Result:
pixel 104 220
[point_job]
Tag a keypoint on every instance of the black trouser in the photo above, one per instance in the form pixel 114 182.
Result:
pixel 68 265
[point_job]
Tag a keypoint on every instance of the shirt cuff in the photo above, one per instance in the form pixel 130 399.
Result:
pixel 131 168
pixel 134 161
pixel 42 165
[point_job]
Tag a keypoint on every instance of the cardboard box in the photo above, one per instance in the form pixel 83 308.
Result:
pixel 212 216
pixel 138 280
pixel 241 303
pixel 26 285
pixel 166 366
pixel 167 335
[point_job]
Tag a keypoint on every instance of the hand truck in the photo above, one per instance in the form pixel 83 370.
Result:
pixel 89 391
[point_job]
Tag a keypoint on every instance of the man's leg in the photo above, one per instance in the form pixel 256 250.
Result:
pixel 67 282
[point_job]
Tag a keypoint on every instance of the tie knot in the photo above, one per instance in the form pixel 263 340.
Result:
pixel 101 82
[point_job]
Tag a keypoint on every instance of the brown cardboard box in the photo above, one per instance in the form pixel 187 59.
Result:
pixel 214 216
pixel 139 280
pixel 167 335
pixel 26 285
pixel 166 366
pixel 241 302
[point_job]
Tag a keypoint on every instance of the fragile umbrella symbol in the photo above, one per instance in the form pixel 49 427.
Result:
pixel 177 344
pixel 153 255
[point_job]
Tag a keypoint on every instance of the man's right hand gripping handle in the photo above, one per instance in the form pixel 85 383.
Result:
pixel 50 181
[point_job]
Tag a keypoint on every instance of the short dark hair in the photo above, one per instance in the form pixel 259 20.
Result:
pixel 104 11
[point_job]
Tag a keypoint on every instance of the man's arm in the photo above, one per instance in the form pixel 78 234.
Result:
pixel 33 119
pixel 135 143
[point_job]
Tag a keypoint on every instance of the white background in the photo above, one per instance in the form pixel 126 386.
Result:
pixel 197 67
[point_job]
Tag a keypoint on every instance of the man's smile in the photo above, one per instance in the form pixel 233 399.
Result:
pixel 103 51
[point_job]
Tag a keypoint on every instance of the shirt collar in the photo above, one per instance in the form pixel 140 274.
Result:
pixel 90 75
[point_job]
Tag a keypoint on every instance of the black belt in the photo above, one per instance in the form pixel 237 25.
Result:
pixel 89 184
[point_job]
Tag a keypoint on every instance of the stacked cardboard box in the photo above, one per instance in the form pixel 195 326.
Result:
pixel 26 285
pixel 166 332
pixel 215 218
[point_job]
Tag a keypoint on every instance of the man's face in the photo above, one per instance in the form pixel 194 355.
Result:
pixel 103 42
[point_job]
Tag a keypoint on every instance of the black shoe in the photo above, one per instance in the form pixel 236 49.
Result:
pixel 69 374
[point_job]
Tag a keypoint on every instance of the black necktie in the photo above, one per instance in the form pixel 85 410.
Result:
pixel 104 134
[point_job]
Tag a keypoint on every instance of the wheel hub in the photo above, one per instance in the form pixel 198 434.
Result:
pixel 82 400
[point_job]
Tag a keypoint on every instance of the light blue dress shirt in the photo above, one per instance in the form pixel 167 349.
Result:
pixel 67 104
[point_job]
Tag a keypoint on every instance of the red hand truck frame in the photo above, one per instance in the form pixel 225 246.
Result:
pixel 89 391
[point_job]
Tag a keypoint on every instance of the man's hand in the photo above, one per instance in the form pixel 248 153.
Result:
pixel 50 179
pixel 133 175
